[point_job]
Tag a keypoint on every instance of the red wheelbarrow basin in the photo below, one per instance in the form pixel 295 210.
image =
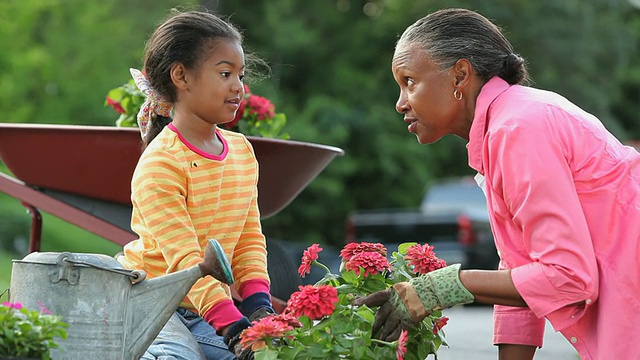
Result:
pixel 98 162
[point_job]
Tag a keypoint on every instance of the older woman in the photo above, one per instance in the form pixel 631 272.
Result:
pixel 563 196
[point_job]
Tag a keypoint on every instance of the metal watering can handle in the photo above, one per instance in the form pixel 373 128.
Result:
pixel 68 258
pixel 216 263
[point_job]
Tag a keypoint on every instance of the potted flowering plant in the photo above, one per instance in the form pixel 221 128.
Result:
pixel 320 321
pixel 28 334
pixel 256 115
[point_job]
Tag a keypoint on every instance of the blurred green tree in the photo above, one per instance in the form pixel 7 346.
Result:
pixel 330 73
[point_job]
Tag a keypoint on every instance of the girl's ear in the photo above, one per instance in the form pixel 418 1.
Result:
pixel 179 76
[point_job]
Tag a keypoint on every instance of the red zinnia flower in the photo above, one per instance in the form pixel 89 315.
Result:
pixel 261 107
pixel 288 320
pixel 422 259
pixel 308 257
pixel 439 324
pixel 262 331
pixel 352 249
pixel 314 302
pixel 115 105
pixel 401 350
pixel 372 262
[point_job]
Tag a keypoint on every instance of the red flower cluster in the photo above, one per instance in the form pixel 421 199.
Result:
pixel 371 262
pixel 308 257
pixel 260 106
pixel 422 259
pixel 254 106
pixel 314 302
pixel 439 324
pixel 352 249
pixel 115 105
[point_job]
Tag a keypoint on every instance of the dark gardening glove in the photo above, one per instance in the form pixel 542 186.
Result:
pixel 232 339
pixel 406 304
pixel 257 306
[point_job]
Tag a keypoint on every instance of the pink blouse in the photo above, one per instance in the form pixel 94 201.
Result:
pixel 564 201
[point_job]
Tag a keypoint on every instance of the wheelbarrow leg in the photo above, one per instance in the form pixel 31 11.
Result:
pixel 36 227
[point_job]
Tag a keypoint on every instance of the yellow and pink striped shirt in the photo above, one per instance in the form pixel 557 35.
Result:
pixel 182 197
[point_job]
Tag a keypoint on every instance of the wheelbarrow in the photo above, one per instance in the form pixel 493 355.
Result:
pixel 82 175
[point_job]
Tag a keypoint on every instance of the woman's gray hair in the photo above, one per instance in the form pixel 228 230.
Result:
pixel 449 35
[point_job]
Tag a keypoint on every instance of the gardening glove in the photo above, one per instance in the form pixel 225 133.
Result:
pixel 406 304
pixel 257 306
pixel 232 339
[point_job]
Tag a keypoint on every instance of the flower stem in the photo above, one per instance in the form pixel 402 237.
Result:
pixel 382 342
pixel 333 281
pixel 315 262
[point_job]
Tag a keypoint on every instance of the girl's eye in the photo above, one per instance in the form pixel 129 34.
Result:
pixel 225 73
pixel 242 78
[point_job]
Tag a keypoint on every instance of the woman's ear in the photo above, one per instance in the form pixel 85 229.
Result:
pixel 179 76
pixel 462 72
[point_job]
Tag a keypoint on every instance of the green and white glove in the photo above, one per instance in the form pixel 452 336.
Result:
pixel 406 304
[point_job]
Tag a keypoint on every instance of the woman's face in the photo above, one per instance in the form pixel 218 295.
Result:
pixel 426 96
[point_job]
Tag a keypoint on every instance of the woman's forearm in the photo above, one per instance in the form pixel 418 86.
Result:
pixel 492 287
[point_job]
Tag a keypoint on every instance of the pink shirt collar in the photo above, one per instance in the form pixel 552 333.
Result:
pixel 225 146
pixel 489 92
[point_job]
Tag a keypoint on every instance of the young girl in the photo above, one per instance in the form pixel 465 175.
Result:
pixel 195 181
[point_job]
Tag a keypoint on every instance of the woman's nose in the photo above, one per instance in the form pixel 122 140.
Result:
pixel 401 104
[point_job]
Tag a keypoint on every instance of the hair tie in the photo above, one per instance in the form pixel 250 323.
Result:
pixel 510 59
pixel 153 103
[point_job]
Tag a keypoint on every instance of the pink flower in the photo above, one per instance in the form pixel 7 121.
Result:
pixel 43 309
pixel 422 259
pixel 439 324
pixel 11 305
pixel 314 302
pixel 371 262
pixel 262 331
pixel 352 249
pixel 308 257
pixel 401 350
pixel 115 105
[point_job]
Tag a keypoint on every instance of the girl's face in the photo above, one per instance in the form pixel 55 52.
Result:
pixel 216 87
pixel 426 96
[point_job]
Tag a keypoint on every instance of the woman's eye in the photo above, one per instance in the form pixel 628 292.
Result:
pixel 410 82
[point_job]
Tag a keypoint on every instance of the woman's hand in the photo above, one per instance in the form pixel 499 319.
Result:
pixel 406 304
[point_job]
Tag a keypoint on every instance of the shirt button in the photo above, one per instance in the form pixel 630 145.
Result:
pixel 574 340
pixel 588 301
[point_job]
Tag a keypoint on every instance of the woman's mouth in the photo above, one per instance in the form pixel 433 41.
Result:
pixel 412 124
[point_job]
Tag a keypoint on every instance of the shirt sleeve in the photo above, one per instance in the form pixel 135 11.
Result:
pixel 159 196
pixel 531 173
pixel 512 325
pixel 249 261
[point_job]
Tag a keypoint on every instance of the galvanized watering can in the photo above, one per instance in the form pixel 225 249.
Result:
pixel 112 312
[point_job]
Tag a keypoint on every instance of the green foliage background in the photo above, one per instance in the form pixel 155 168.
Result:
pixel 330 73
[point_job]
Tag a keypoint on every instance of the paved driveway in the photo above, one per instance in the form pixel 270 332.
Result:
pixel 470 330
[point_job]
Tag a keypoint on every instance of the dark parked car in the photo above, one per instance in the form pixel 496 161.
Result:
pixel 452 218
